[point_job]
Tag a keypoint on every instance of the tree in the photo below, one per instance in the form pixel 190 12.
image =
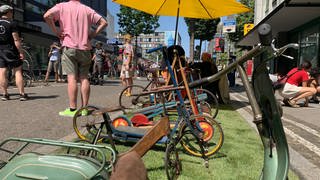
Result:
pixel 241 20
pixel 202 29
pixel 190 23
pixel 135 22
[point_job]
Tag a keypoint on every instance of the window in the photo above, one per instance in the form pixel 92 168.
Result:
pixel 47 2
pixel 267 6
pixel 34 8
pixel 274 3
pixel 309 45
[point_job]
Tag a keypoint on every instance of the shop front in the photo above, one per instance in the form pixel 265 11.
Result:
pixel 292 22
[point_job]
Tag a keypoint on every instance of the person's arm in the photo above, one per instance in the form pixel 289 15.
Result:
pixel 50 51
pixel 102 23
pixel 48 17
pixel 17 43
pixel 55 46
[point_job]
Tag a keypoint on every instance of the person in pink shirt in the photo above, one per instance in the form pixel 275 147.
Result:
pixel 75 33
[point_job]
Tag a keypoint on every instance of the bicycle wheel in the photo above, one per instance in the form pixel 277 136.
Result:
pixel 135 100
pixel 213 136
pixel 86 127
pixel 121 121
pixel 27 79
pixel 172 163
pixel 208 102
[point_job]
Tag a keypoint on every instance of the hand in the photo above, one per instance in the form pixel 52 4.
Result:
pixel 60 35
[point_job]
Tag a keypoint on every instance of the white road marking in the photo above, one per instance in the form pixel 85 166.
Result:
pixel 302 141
pixel 302 126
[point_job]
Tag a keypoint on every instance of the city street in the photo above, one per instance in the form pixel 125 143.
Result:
pixel 38 118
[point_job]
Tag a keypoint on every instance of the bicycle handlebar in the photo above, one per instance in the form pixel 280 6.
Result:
pixel 280 51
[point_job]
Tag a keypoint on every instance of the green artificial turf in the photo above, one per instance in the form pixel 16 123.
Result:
pixel 241 156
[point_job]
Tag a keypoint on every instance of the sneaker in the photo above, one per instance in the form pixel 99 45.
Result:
pixel 5 97
pixel 23 97
pixel 84 112
pixel 67 113
pixel 128 94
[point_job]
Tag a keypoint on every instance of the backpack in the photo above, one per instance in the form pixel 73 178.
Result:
pixel 279 84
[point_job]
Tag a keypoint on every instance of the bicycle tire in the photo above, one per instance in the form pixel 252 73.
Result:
pixel 86 127
pixel 134 101
pixel 28 61
pixel 211 100
pixel 27 79
pixel 172 163
pixel 212 140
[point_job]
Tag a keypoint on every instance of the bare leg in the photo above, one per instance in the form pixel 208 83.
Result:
pixel 56 76
pixel 3 80
pixel 305 92
pixel 130 82
pixel 72 91
pixel 85 90
pixel 19 79
pixel 47 75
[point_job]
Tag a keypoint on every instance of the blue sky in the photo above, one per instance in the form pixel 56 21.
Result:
pixel 166 24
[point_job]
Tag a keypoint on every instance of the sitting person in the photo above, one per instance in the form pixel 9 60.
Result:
pixel 314 82
pixel 293 91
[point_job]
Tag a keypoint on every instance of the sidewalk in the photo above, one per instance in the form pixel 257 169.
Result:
pixel 302 129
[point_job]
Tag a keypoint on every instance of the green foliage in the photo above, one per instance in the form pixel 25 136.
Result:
pixel 242 19
pixel 135 22
pixel 204 29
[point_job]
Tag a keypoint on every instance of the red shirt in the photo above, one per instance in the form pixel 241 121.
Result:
pixel 298 77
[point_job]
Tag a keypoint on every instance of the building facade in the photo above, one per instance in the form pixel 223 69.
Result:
pixel 36 33
pixel 149 41
pixel 292 21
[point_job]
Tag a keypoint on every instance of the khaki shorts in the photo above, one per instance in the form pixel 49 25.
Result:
pixel 290 90
pixel 75 61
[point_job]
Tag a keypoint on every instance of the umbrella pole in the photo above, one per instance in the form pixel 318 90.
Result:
pixel 177 21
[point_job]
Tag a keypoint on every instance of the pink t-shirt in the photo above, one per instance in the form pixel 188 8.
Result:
pixel 75 21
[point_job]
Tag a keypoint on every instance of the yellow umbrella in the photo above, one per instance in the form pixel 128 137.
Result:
pixel 202 9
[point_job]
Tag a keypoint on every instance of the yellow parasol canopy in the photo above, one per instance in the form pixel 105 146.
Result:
pixel 202 9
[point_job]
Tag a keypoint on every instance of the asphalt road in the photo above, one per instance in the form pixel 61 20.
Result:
pixel 38 117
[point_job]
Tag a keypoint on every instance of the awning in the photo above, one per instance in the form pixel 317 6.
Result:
pixel 287 16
